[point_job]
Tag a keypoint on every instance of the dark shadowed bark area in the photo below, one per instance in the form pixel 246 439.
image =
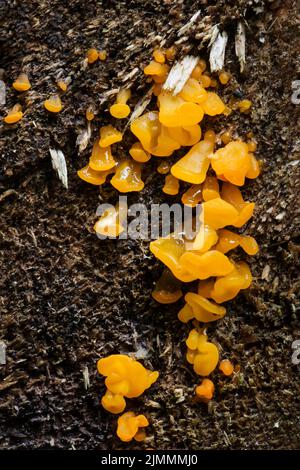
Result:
pixel 67 298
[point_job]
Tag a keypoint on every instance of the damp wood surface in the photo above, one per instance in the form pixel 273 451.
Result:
pixel 67 298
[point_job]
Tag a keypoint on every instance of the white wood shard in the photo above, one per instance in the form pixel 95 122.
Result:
pixel 2 93
pixel 187 26
pixel 2 353
pixel 86 378
pixel 140 106
pixel 60 166
pixel 179 74
pixel 217 45
pixel 83 138
pixel 240 45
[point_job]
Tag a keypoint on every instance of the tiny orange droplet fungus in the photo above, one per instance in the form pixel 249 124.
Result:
pixel 226 367
pixel 205 391
pixel 92 55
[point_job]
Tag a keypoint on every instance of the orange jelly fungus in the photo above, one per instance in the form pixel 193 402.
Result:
pixel 14 115
pixel 126 376
pixel 22 83
pixel 93 177
pixel 224 77
pixel 167 289
pixel 102 55
pixel 159 56
pixel 226 367
pixel 205 288
pixel 205 238
pixel 193 167
pixel 232 195
pixel 169 251
pixel 120 109
pixel 110 222
pixel 232 161
pixel 210 189
pixel 204 265
pixel 201 353
pixel 157 71
pixel 113 402
pixel 217 213
pixel 90 113
pixel 163 168
pixel 192 196
pixel 229 240
pixel 127 177
pixel 53 104
pixel 185 136
pixel 205 81
pixel 227 287
pixel 244 106
pixel 139 154
pixel 205 391
pixel 171 185
pixel 92 55
pixel 129 427
pixel 201 309
pixel 154 137
pixel 174 111
pixel 62 85
pixel 226 137
pixel 171 53
pixel 101 158
pixel 193 92
pixel 109 135
pixel 213 104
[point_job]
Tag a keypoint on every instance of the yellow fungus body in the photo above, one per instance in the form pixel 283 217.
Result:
pixel 193 92
pixel 114 403
pixel 213 104
pixel 120 109
pixel 167 289
pixel 159 56
pixel 139 154
pixel 111 221
pixel 201 353
pixel 53 104
pixel 102 55
pixel 128 426
pixel 127 177
pixel 92 55
pixel 176 112
pixel 163 168
pixel 101 158
pixel 154 137
pixel 171 185
pixel 169 251
pixel 202 309
pixel 192 196
pixel 204 265
pixel 217 213
pixel 22 83
pixel 232 161
pixel 93 177
pixel 227 287
pixel 109 135
pixel 226 367
pixel 205 391
pixel 193 167
pixel 210 189
pixel 125 376
pixel 14 115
